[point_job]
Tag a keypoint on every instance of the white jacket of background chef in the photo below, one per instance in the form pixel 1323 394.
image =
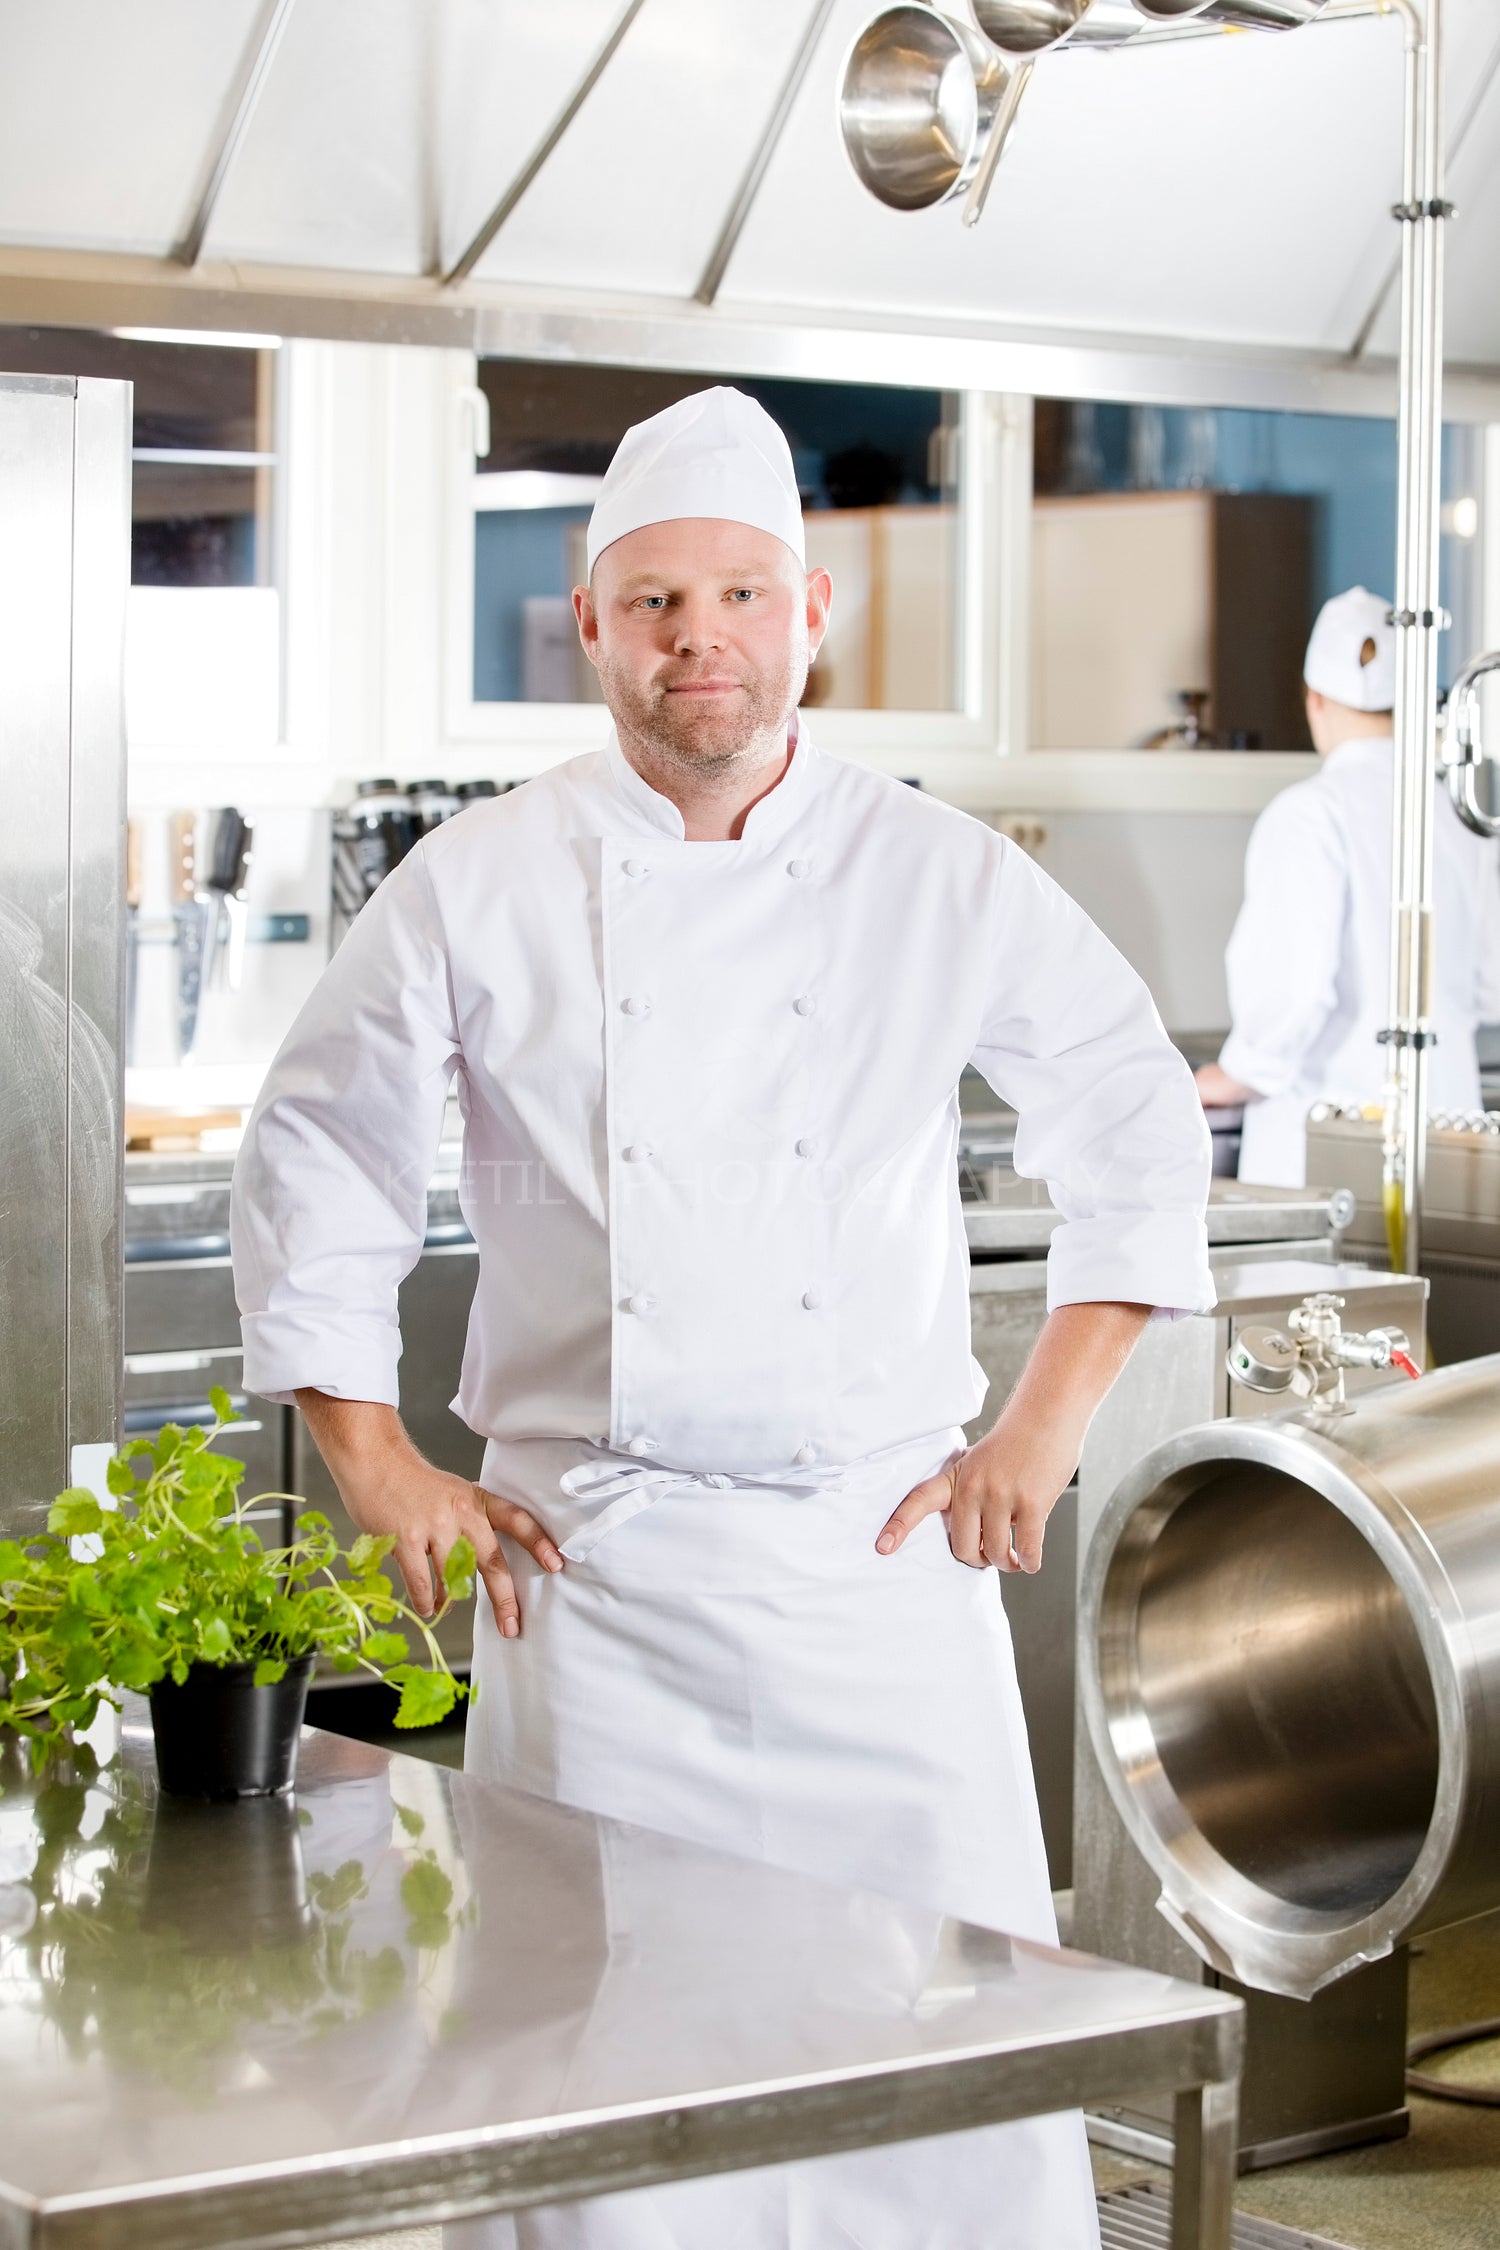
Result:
pixel 1309 959
pixel 710 1118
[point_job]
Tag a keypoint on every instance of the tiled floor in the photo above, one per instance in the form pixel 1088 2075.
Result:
pixel 1440 2188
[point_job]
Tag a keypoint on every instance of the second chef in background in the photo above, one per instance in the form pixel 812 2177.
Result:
pixel 1308 963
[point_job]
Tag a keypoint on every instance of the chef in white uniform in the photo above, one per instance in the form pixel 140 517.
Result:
pixel 1309 958
pixel 705 995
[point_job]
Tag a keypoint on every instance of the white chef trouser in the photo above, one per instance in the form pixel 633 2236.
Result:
pixel 740 1668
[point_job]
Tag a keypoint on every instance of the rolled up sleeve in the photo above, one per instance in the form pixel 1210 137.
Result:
pixel 329 1207
pixel 1108 1113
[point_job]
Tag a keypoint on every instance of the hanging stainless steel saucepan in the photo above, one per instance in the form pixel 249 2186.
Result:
pixel 1031 27
pixel 920 103
pixel 1250 15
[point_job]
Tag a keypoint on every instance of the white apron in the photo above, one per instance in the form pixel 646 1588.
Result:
pixel 733 1663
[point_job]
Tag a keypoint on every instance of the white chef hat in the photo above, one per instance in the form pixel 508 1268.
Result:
pixel 717 453
pixel 1351 657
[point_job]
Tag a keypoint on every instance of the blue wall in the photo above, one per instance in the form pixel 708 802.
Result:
pixel 517 551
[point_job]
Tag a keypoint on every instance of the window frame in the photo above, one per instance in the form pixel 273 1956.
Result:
pixel 994 504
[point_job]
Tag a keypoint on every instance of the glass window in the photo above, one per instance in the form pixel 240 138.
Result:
pixel 876 467
pixel 203 443
pixel 1180 555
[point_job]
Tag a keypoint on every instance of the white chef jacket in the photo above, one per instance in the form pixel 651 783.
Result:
pixel 1309 958
pixel 709 1097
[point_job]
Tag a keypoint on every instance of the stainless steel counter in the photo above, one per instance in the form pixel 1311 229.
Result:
pixel 177 1207
pixel 410 1996
pixel 1006 1216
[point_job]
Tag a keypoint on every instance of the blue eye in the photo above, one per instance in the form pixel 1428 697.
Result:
pixel 742 594
pixel 653 601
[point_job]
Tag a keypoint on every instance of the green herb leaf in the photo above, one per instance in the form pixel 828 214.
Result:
pixel 412 1822
pixel 425 1888
pixel 215 1641
pixel 368 1551
pixel 458 1570
pixel 221 1403
pixel 426 1697
pixel 74 1513
pixel 385 1648
pixel 269 1670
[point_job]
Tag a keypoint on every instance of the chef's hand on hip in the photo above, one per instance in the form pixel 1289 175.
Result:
pixel 390 1489
pixel 996 1497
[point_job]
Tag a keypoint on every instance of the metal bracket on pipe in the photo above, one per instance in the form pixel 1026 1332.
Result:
pixel 1405 619
pixel 1433 208
pixel 1399 1036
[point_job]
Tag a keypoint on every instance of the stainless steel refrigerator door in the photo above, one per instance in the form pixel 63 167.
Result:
pixel 64 573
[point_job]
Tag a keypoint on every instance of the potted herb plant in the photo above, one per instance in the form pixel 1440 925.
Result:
pixel 171 1592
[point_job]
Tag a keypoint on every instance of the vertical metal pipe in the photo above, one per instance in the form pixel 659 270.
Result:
pixel 1417 619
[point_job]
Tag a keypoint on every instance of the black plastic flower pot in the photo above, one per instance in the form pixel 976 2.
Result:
pixel 220 1736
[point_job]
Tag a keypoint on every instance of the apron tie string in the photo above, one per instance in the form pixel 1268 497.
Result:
pixel 623 1489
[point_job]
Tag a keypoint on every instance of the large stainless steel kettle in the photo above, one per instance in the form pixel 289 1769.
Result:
pixel 1289 1663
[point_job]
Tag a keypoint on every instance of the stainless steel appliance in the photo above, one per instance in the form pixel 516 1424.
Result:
pixel 1010 1223
pixel 1319 2073
pixel 1460 1251
pixel 1334 1787
pixel 64 570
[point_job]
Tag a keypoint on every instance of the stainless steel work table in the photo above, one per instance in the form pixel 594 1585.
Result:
pixel 409 1996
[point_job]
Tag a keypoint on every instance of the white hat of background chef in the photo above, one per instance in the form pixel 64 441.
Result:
pixel 1351 657
pixel 715 454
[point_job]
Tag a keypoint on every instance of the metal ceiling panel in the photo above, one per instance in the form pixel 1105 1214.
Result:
pixel 340 164
pixel 1231 188
pixel 635 196
pixel 107 112
pixel 1233 191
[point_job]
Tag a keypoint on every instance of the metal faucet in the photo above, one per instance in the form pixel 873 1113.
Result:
pixel 1308 1357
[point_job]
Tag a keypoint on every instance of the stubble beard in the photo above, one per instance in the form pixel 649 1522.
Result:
pixel 712 741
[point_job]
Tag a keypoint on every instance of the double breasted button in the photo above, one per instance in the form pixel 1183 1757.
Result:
pixel 811 1299
pixel 804 1004
pixel 798 868
pixel 640 1302
pixel 803 1455
pixel 635 1005
pixel 807 1147
pixel 639 1152
pixel 642 1447
pixel 637 867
